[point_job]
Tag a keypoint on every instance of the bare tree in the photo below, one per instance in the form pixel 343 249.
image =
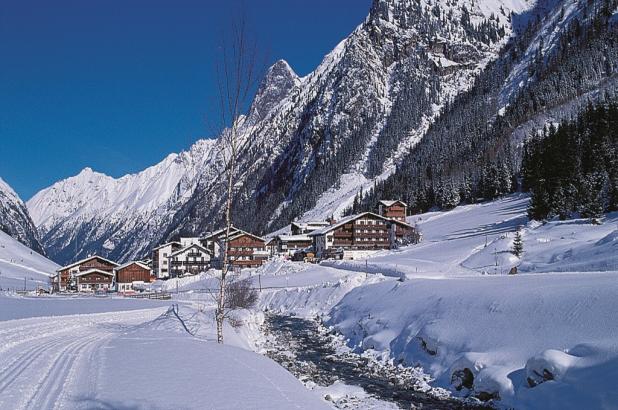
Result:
pixel 239 294
pixel 237 74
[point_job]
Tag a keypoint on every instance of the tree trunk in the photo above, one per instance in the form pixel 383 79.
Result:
pixel 220 314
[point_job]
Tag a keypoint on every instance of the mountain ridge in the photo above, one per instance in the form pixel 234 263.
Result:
pixel 309 144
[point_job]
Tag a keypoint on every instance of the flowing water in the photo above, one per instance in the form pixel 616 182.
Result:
pixel 309 353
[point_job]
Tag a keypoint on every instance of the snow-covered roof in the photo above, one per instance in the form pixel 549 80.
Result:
pixel 391 203
pixel 140 264
pixel 167 244
pixel 183 250
pixel 94 270
pixel 352 218
pixel 310 223
pixel 86 260
pixel 293 238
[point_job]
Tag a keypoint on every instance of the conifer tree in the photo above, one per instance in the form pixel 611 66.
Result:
pixel 518 244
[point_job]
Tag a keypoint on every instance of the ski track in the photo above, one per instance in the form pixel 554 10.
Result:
pixel 39 356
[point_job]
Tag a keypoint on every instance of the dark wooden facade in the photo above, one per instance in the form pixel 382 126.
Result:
pixel 93 262
pixel 363 232
pixel 247 251
pixel 366 233
pixel 396 210
pixel 133 272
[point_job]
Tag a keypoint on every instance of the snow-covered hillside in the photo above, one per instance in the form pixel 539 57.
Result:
pixel 308 142
pixel 21 265
pixel 15 220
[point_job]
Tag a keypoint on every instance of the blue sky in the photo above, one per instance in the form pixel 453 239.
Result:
pixel 118 85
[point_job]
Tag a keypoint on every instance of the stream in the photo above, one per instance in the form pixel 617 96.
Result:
pixel 310 353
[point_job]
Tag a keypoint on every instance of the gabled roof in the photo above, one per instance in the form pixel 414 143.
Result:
pixel 219 232
pixel 183 250
pixel 352 218
pixel 94 270
pixel 391 203
pixel 86 260
pixel 167 244
pixel 138 263
pixel 240 233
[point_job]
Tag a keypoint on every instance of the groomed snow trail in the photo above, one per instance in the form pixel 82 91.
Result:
pixel 40 357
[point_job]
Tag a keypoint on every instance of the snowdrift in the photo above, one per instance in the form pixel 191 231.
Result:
pixel 497 330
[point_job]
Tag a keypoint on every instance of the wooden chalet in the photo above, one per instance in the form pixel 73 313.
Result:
pixel 214 241
pixel 131 273
pixel 247 250
pixel 359 235
pixel 92 273
pixel 396 210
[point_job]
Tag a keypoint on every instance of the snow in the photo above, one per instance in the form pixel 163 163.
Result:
pixel 138 359
pixel 18 262
pixel 457 310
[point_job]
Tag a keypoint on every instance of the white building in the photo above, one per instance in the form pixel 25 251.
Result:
pixel 192 260
pixel 160 259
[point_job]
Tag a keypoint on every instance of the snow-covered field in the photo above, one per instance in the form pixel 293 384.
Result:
pixel 134 355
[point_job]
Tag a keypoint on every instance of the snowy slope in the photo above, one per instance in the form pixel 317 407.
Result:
pixel 18 262
pixel 15 220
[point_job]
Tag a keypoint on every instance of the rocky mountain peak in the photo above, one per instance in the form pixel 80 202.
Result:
pixel 279 80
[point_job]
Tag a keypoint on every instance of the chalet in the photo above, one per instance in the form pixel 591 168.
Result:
pixel 247 250
pixel 396 210
pixel 303 228
pixel 87 274
pixel 160 261
pixel 359 236
pixel 130 274
pixel 289 244
pixel 190 260
pixel 214 241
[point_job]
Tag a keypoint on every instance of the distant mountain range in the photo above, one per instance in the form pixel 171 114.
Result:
pixel 310 144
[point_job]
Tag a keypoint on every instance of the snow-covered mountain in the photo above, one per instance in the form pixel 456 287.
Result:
pixel 92 212
pixel 15 220
pixel 308 144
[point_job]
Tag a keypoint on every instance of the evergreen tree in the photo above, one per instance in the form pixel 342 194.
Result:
pixel 518 244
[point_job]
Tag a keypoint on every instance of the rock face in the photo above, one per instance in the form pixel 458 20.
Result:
pixel 307 144
pixel 15 220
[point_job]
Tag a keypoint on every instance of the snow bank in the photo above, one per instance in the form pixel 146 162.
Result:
pixel 497 327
